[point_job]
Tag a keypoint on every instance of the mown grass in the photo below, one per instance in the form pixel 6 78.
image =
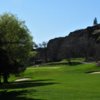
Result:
pixel 56 82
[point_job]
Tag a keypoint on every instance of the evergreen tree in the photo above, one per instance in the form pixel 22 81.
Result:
pixel 95 22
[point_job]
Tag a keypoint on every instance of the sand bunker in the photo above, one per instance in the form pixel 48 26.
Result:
pixel 95 73
pixel 22 79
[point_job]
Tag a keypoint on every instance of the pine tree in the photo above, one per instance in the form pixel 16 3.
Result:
pixel 95 22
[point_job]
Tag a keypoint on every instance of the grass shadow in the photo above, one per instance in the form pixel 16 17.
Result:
pixel 18 90
pixel 15 95
pixel 75 63
pixel 63 63
pixel 26 84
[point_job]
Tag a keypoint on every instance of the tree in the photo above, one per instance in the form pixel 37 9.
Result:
pixel 95 22
pixel 44 46
pixel 15 45
pixel 41 52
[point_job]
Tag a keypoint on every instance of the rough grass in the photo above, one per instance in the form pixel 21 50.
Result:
pixel 56 82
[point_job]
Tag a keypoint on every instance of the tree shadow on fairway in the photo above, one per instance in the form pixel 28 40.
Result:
pixel 15 95
pixel 27 84
pixel 72 63
pixel 13 91
pixel 75 63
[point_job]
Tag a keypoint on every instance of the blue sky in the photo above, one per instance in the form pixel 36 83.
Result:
pixel 47 19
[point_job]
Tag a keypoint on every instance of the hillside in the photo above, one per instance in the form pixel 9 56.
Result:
pixel 80 43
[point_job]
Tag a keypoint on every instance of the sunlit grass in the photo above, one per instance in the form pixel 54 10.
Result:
pixel 59 82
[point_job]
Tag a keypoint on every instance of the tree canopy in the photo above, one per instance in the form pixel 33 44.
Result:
pixel 15 43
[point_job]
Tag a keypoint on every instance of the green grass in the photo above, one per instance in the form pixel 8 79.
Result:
pixel 56 82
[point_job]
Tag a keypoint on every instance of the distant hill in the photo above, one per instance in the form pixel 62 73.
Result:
pixel 80 43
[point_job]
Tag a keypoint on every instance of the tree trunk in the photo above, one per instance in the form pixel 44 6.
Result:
pixel 45 55
pixel 69 61
pixel 0 78
pixel 5 77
